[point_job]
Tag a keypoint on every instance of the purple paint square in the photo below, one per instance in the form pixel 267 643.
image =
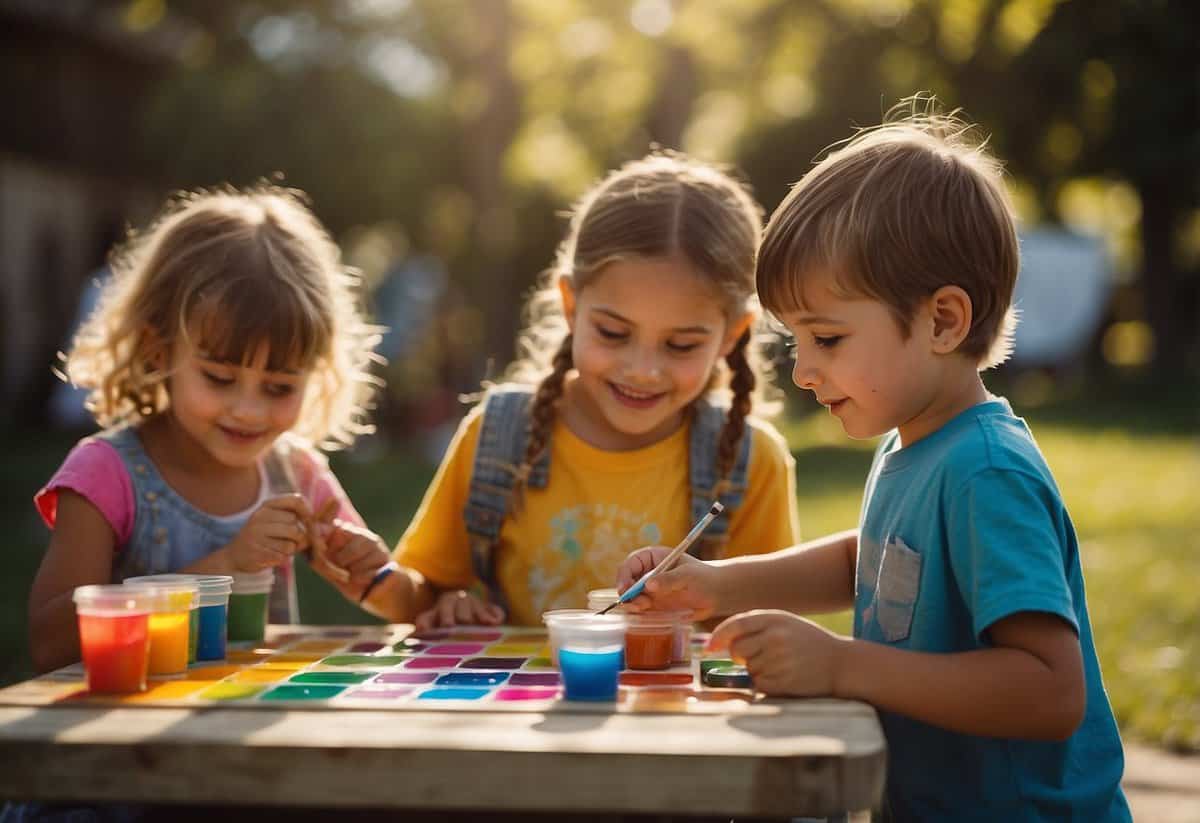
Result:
pixel 406 677
pixel 340 633
pixel 380 692
pixel 366 648
pixel 429 662
pixel 493 663
pixel 456 649
pixel 538 679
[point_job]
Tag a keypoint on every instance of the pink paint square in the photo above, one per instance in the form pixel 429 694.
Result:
pixel 429 662
pixel 406 677
pixel 527 694
pixel 457 649
pixel 380 692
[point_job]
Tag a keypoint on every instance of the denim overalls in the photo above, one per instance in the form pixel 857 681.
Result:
pixel 169 534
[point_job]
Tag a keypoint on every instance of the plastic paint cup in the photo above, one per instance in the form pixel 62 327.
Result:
pixel 169 624
pixel 650 640
pixel 590 656
pixel 555 618
pixel 212 606
pixel 248 601
pixel 681 648
pixel 114 636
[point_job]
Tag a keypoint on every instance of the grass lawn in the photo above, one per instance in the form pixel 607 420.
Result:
pixel 1126 455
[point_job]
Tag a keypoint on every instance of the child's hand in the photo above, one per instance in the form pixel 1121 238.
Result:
pixel 278 529
pixel 689 584
pixel 349 555
pixel 459 607
pixel 784 653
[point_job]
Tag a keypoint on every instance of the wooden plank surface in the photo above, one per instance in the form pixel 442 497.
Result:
pixel 810 758
pixel 786 758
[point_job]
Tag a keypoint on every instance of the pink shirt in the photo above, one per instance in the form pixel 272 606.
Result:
pixel 94 470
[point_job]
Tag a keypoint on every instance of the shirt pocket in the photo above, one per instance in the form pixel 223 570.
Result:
pixel 899 583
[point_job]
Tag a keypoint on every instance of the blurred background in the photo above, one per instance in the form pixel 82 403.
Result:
pixel 442 140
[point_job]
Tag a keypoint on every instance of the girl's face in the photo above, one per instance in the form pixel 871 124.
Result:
pixel 232 411
pixel 647 334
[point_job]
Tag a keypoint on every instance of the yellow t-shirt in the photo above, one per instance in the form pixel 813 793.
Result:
pixel 571 536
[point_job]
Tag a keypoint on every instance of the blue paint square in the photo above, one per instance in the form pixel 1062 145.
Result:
pixel 452 694
pixel 472 679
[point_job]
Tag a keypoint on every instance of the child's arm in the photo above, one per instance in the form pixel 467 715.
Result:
pixel 817 576
pixel 80 553
pixel 401 596
pixel 1029 684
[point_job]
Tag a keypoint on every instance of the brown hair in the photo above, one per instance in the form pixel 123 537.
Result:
pixel 663 205
pixel 234 269
pixel 899 211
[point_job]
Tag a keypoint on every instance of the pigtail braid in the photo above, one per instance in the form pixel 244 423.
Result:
pixel 541 416
pixel 742 383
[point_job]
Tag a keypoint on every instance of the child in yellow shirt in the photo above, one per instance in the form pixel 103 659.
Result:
pixel 628 414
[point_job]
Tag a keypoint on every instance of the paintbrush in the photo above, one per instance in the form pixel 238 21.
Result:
pixel 668 561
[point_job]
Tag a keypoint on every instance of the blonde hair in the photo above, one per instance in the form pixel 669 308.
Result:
pixel 661 206
pixel 899 211
pixel 234 269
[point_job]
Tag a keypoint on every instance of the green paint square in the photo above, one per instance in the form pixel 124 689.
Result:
pixel 332 678
pixel 286 692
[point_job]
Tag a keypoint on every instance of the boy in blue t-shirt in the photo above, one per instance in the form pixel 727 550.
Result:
pixel 892 263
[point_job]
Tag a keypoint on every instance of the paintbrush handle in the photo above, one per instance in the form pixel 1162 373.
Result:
pixel 636 589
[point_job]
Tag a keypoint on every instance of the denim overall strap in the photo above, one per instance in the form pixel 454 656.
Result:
pixel 707 422
pixel 148 550
pixel 503 435
pixel 169 533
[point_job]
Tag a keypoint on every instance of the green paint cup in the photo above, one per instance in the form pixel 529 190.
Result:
pixel 248 606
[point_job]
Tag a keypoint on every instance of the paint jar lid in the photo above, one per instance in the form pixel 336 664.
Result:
pixel 171 595
pixel 598 599
pixel 253 582
pixel 728 677
pixel 113 600
pixel 207 584
pixel 554 617
pixel 592 633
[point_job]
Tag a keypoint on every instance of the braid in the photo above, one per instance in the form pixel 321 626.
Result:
pixel 541 414
pixel 742 383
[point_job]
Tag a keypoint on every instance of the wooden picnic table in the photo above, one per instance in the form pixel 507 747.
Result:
pixel 789 757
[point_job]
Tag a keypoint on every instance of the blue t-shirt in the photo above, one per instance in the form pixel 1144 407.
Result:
pixel 959 530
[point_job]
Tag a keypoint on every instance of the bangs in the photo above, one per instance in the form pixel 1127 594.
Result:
pixel 230 322
pixel 793 256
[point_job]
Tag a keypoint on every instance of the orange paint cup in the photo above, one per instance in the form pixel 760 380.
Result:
pixel 650 640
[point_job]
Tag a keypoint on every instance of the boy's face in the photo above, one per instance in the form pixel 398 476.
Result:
pixel 852 355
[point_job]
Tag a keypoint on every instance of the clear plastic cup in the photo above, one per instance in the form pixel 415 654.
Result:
pixel 650 640
pixel 590 655
pixel 170 623
pixel 212 609
pixel 114 636
pixel 248 601
pixel 557 617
